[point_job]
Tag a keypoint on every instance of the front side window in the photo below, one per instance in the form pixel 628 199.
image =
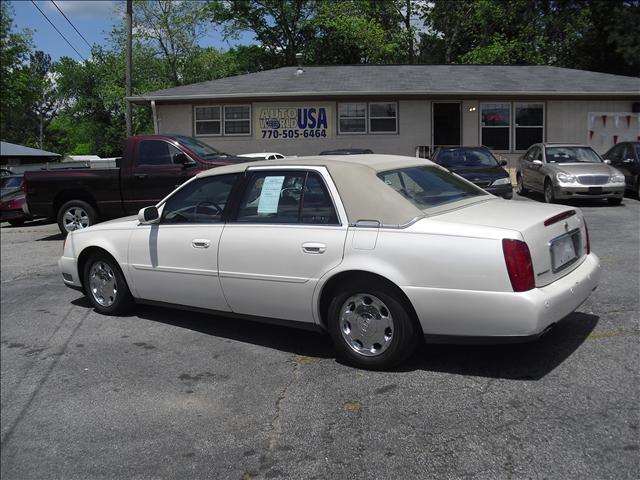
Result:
pixel 383 118
pixel 529 124
pixel 496 121
pixel 427 186
pixel 287 197
pixel 208 120
pixel 571 155
pixel 200 201
pixel 156 152
pixel 352 118
pixel 237 120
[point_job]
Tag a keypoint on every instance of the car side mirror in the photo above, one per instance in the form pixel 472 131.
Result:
pixel 607 161
pixel 502 163
pixel 149 215
pixel 182 159
pixel 537 162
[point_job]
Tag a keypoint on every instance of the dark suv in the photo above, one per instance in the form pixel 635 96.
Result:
pixel 478 165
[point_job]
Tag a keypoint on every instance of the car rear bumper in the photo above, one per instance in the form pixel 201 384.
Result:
pixel 503 316
pixel 584 191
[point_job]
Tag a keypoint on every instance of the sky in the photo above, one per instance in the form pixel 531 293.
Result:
pixel 93 18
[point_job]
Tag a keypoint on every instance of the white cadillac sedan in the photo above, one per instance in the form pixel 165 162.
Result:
pixel 379 251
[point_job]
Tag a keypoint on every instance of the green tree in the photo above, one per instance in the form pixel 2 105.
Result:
pixel 281 27
pixel 15 92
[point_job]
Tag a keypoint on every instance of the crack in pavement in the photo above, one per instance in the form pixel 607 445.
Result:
pixel 9 432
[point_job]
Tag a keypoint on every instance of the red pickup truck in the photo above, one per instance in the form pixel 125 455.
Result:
pixel 151 167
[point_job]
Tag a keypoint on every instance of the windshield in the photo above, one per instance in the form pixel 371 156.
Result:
pixel 11 182
pixel 201 149
pixel 571 155
pixel 426 186
pixel 466 157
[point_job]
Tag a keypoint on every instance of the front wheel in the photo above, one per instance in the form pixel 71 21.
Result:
pixel 371 327
pixel 520 188
pixel 549 195
pixel 105 285
pixel 76 215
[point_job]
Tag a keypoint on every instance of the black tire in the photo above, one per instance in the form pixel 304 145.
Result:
pixel 16 223
pixel 520 188
pixel 76 207
pixel 122 299
pixel 614 201
pixel 405 335
pixel 549 195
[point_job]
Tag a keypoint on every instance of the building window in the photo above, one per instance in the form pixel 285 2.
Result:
pixel 237 120
pixel 496 125
pixel 529 124
pixel 208 121
pixel 352 118
pixel 383 118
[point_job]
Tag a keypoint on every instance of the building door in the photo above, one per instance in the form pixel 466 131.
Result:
pixel 446 123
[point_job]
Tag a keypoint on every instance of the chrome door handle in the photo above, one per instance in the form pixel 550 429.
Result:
pixel 201 243
pixel 315 248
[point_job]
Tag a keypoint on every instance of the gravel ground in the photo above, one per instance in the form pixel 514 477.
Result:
pixel 167 394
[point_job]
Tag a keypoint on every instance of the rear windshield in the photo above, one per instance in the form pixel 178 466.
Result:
pixel 427 186
pixel 571 155
pixel 466 157
pixel 11 182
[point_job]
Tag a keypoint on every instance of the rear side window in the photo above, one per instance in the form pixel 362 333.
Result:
pixel 156 152
pixel 287 197
pixel 200 201
pixel 427 186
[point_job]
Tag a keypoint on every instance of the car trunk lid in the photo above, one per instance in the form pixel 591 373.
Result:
pixel 555 234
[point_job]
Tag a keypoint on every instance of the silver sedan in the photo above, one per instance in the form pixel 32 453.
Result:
pixel 564 172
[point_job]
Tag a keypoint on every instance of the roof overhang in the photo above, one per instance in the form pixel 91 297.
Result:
pixel 403 93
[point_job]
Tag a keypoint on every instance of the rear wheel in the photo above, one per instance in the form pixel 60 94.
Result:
pixel 76 215
pixel 520 188
pixel 105 285
pixel 549 195
pixel 614 201
pixel 371 327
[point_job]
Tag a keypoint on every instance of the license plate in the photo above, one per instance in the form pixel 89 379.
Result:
pixel 563 252
pixel 595 189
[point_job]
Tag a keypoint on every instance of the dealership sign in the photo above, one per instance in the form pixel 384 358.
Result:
pixel 294 122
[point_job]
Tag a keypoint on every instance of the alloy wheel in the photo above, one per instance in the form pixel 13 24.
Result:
pixel 366 324
pixel 102 284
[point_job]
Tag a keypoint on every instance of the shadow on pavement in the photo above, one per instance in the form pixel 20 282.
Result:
pixel 523 361
pixel 56 236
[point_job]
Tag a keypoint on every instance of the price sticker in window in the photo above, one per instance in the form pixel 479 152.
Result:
pixel 270 194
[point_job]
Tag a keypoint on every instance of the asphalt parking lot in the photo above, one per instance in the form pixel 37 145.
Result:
pixel 167 394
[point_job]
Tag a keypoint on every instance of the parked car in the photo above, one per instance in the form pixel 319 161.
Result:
pixel 379 251
pixel 563 171
pixel 625 157
pixel 263 156
pixel 479 166
pixel 12 208
pixel 347 151
pixel 151 167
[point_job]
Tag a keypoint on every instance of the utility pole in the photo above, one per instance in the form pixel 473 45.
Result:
pixel 129 27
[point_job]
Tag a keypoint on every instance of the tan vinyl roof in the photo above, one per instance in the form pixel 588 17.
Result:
pixel 363 194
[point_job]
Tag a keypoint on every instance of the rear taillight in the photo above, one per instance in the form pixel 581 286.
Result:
pixel 519 265
pixel 587 244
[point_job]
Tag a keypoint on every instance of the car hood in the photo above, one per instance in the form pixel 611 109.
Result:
pixel 583 168
pixel 116 224
pixel 475 174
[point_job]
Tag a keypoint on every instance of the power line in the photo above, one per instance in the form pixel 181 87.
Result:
pixel 59 32
pixel 74 27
